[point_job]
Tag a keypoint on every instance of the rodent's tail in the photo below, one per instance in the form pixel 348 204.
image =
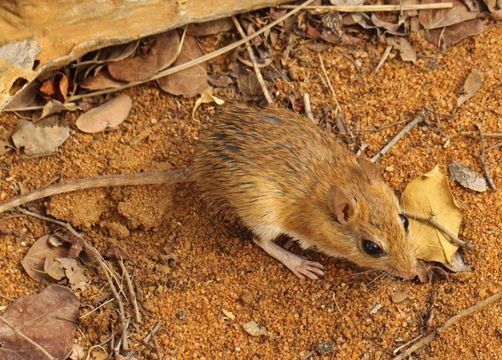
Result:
pixel 167 177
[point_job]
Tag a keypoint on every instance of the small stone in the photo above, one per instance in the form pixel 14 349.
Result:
pixel 375 309
pixel 180 314
pixel 325 348
pixel 253 329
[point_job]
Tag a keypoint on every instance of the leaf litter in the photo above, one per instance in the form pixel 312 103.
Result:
pixel 108 115
pixel 466 177
pixel 429 195
pixel 48 319
pixel 471 86
pixel 40 139
pixel 206 97
pixel 190 82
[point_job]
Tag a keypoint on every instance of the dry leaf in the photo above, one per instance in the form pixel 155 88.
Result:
pixel 190 82
pixel 56 87
pixel 102 80
pixel 26 97
pixel 77 353
pixel 206 97
pixel 405 49
pixel 253 329
pixel 74 272
pixel 38 140
pixel 54 107
pixel 53 268
pixel 116 252
pixel 471 86
pixel 34 260
pixel 117 52
pixel 161 54
pixel 109 115
pixel 429 195
pixel 219 80
pixel 466 177
pixel 228 314
pixel 435 19
pixel 248 84
pixel 210 27
pixel 455 33
pixel 48 318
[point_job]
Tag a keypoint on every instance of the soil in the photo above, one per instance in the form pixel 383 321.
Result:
pixel 217 268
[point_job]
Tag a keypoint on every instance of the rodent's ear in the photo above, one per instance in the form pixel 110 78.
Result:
pixel 369 170
pixel 342 206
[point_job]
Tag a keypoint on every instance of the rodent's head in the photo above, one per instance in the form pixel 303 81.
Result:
pixel 375 231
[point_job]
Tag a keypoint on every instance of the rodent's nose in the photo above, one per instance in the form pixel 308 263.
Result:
pixel 408 275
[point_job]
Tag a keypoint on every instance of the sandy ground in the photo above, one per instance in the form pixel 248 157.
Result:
pixel 218 267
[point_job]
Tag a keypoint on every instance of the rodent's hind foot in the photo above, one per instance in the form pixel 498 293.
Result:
pixel 299 266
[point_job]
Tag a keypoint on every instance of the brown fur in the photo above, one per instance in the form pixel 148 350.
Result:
pixel 275 169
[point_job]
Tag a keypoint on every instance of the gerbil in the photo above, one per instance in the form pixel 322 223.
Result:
pixel 281 174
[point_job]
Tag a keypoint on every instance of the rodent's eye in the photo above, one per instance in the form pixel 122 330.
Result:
pixel 372 249
pixel 404 221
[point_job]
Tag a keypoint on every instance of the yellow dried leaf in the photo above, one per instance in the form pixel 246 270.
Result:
pixel 206 97
pixel 228 314
pixel 429 195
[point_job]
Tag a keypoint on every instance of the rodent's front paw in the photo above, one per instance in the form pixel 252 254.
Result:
pixel 301 268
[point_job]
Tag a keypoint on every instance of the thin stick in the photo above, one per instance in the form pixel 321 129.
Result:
pixel 99 259
pixel 482 157
pixel 253 61
pixel 325 73
pixel 198 60
pixel 451 321
pixel 373 8
pixel 152 332
pixel 429 220
pixel 19 333
pixel 96 308
pixel 132 294
pixel 384 57
pixel 419 118
pixel 308 109
pixel 497 135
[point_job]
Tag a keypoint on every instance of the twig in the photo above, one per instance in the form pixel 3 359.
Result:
pixel 383 58
pixel 99 259
pixel 253 61
pixel 482 157
pixel 308 109
pixel 96 308
pixel 19 333
pixel 325 73
pixel 419 118
pixel 373 8
pixel 132 294
pixel 199 60
pixel 451 321
pixel 497 135
pixel 152 332
pixel 429 220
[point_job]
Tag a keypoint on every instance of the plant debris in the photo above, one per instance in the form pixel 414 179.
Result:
pixel 190 82
pixel 206 97
pixel 253 329
pixel 429 195
pixel 471 86
pixel 108 115
pixel 40 139
pixel 42 322
pixel 466 177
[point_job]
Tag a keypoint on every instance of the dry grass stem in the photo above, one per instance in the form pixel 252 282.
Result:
pixel 328 81
pixel 384 57
pixel 451 321
pixel 132 293
pixel 419 118
pixel 482 157
pixel 429 220
pixel 308 109
pixel 372 8
pixel 253 61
